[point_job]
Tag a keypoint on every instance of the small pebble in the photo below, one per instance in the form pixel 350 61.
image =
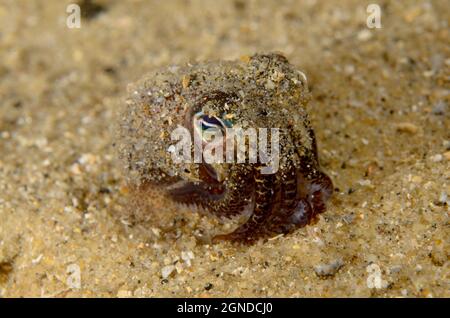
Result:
pixel 416 179
pixel 349 218
pixel 186 81
pixel 349 69
pixel 407 128
pixel 328 270
pixel 374 279
pixel 364 182
pixel 187 257
pixel 443 197
pixel 436 158
pixel 440 108
pixel 166 271
pixel 124 293
pixel 446 144
pixel 75 169
pixel 447 155
pixel 38 259
pixel 87 159
pixel 364 35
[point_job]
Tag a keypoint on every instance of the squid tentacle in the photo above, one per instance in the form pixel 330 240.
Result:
pixel 222 199
pixel 280 220
pixel 266 197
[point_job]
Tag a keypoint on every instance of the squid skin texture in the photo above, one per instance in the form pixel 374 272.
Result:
pixel 261 91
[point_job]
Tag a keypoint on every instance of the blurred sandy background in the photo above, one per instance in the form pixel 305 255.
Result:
pixel 380 112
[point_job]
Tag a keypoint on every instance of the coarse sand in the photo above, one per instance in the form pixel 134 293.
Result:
pixel 379 109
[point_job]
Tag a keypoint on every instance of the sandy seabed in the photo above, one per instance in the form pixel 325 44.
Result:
pixel 380 111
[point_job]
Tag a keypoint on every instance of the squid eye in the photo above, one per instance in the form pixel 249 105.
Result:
pixel 204 122
pixel 208 126
pixel 208 122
